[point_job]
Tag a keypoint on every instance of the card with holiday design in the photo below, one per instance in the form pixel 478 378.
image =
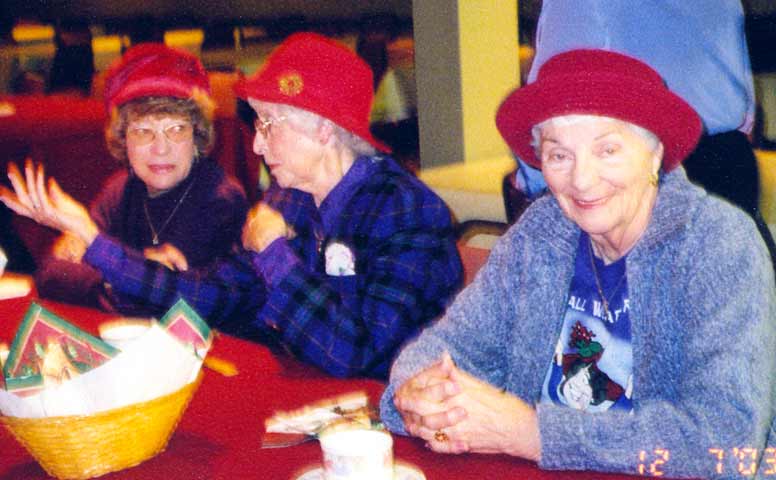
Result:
pixel 49 350
pixel 185 324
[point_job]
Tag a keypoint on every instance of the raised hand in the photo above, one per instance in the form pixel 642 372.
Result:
pixel 18 200
pixel 50 206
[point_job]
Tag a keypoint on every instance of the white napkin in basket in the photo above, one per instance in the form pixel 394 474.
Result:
pixel 155 364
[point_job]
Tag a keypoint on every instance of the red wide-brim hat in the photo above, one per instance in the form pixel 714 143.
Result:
pixel 154 70
pixel 315 73
pixel 605 83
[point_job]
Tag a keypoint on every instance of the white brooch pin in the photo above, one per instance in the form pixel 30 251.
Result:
pixel 3 261
pixel 340 260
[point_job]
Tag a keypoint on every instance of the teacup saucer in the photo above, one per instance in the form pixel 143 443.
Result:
pixel 401 471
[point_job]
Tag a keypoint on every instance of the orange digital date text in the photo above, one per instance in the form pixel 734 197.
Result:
pixel 743 459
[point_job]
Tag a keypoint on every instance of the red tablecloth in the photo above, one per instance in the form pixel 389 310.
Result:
pixel 220 433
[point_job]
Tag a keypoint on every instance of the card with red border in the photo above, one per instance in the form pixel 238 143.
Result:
pixel 45 340
pixel 185 324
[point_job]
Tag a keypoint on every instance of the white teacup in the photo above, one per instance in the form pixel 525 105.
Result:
pixel 122 332
pixel 357 454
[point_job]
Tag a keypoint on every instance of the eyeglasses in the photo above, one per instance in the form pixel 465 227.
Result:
pixel 176 133
pixel 264 125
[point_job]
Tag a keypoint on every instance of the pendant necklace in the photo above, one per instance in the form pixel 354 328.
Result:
pixel 154 233
pixel 604 301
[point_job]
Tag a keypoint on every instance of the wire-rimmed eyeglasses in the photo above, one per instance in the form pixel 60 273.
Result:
pixel 177 133
pixel 264 125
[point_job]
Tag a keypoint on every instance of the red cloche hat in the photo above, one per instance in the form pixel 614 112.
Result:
pixel 315 73
pixel 599 82
pixel 154 70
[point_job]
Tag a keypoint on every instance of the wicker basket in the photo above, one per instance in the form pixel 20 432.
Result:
pixel 80 447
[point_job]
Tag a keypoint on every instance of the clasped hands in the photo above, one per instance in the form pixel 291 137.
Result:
pixel 456 412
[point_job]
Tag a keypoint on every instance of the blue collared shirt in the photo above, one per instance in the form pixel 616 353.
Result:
pixel 700 51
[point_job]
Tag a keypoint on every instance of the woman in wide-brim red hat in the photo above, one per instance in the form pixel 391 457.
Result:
pixel 170 203
pixel 626 320
pixel 356 253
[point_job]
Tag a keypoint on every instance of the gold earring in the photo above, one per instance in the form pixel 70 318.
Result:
pixel 653 178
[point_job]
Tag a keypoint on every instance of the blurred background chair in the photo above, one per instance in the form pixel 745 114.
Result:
pixel 72 68
pixel 472 258
pixel 31 55
pixel 515 201
pixel 189 39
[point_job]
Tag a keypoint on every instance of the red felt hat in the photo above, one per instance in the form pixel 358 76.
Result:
pixel 315 73
pixel 599 82
pixel 154 70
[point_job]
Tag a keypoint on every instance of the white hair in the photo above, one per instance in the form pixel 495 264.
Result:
pixel 566 120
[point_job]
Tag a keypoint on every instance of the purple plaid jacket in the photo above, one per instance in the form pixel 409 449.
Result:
pixel 406 269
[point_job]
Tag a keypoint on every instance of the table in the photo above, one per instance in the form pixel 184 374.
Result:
pixel 219 435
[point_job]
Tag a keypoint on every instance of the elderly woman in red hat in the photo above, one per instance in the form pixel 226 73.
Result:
pixel 356 253
pixel 347 256
pixel 170 205
pixel 626 322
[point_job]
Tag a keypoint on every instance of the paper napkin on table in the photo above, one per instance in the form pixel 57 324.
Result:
pixel 46 355
pixel 312 418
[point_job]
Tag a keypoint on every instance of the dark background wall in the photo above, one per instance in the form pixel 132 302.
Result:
pixel 205 10
pixel 120 15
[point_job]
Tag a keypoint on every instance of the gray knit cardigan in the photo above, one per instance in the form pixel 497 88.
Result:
pixel 703 323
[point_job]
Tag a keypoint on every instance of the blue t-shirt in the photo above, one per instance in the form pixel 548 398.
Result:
pixel 701 53
pixel 592 367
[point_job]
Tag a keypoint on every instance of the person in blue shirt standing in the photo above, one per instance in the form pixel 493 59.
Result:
pixel 702 55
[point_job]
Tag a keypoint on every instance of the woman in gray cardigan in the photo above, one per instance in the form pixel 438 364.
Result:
pixel 627 322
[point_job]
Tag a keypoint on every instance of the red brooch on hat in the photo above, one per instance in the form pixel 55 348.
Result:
pixel 320 75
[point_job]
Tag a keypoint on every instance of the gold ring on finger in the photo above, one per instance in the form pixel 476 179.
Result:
pixel 440 436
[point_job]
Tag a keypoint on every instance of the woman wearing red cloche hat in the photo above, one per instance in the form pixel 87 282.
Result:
pixel 170 204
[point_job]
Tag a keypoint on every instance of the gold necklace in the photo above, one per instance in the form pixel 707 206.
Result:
pixel 604 301
pixel 154 233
